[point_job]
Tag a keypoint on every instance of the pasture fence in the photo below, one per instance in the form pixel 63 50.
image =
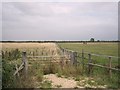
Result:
pixel 23 66
pixel 45 59
pixel 90 62
pixel 83 58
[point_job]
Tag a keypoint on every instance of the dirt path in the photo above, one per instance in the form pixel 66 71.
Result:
pixel 61 82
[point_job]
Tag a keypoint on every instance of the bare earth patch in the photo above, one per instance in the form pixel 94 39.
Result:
pixel 62 82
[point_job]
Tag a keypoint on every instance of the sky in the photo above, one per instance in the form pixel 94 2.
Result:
pixel 59 21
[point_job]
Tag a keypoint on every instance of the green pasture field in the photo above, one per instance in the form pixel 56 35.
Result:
pixel 97 48
pixel 107 49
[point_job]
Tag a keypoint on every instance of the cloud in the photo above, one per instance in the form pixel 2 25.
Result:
pixel 0 21
pixel 59 21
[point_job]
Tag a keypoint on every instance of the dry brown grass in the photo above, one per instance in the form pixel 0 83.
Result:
pixel 27 45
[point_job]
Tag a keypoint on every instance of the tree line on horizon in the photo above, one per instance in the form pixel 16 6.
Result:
pixel 55 41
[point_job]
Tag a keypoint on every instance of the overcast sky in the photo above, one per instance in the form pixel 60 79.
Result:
pixel 59 21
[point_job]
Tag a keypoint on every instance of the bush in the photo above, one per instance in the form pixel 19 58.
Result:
pixel 7 74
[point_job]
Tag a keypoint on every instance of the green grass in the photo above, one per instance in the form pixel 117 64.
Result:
pixel 109 49
pixel 37 70
pixel 101 75
pixel 101 48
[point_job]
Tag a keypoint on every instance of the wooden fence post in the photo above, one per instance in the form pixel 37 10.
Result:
pixel 89 66
pixel 75 58
pixel 62 62
pixel 62 51
pixel 24 59
pixel 71 57
pixel 83 58
pixel 3 54
pixel 110 66
pixel 65 51
pixel 17 69
pixel 33 53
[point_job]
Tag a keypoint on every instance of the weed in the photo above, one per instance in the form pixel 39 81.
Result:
pixel 39 75
pixel 46 84
pixel 77 78
pixel 58 86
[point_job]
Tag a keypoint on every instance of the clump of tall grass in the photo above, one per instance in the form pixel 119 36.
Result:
pixel 46 84
pixel 67 70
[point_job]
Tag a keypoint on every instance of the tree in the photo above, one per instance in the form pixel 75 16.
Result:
pixel 92 39
pixel 98 40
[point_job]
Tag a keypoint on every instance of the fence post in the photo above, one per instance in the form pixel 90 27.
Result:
pixel 3 54
pixel 63 51
pixel 110 72
pixel 75 58
pixel 24 59
pixel 62 63
pixel 71 57
pixel 83 58
pixel 33 53
pixel 89 66
pixel 17 69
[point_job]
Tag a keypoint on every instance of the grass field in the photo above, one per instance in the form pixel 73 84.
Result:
pixel 12 55
pixel 97 48
pixel 31 48
pixel 110 49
